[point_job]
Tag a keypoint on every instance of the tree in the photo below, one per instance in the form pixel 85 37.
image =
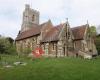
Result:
pixel 10 40
pixel 95 37
pixel 6 47
pixel 93 31
pixel 2 46
pixel 98 43
pixel 98 29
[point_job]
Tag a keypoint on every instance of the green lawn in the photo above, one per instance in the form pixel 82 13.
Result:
pixel 51 69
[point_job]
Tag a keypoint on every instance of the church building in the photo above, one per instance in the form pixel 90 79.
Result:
pixel 56 41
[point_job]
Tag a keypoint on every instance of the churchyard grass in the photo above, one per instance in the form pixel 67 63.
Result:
pixel 50 69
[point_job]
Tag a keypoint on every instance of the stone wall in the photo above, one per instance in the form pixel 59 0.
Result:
pixel 29 43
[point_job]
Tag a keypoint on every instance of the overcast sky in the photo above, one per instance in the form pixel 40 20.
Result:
pixel 77 11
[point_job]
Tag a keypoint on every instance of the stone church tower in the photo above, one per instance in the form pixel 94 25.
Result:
pixel 30 17
pixel 55 41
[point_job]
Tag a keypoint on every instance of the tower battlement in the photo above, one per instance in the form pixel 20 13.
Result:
pixel 30 17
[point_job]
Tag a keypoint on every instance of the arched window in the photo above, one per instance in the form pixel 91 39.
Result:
pixel 33 18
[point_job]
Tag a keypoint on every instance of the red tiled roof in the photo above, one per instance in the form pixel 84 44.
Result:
pixel 43 24
pixel 79 31
pixel 29 33
pixel 53 34
pixel 36 29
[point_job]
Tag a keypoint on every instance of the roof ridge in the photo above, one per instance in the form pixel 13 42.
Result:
pixel 79 26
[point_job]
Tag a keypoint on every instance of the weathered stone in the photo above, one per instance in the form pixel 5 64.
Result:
pixel 65 43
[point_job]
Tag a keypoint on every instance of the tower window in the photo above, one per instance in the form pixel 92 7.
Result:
pixel 33 17
pixel 26 16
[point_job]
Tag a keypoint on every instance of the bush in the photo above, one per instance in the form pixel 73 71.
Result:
pixel 3 45
pixel 98 44
pixel 6 47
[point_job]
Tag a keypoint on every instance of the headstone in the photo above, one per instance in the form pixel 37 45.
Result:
pixel 8 66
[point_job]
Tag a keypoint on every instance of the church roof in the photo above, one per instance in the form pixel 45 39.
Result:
pixel 53 34
pixel 35 30
pixel 78 32
pixel 29 33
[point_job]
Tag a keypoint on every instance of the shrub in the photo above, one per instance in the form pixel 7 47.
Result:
pixel 98 44
pixel 6 47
